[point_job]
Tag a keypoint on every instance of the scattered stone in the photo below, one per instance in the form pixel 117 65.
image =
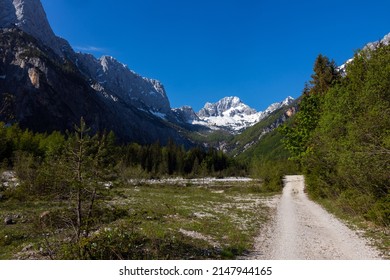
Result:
pixel 27 248
pixel 44 215
pixel 108 185
pixel 8 221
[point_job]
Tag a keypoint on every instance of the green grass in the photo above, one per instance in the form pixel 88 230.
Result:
pixel 216 221
pixel 25 231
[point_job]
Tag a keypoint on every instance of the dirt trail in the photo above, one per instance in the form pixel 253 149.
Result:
pixel 303 230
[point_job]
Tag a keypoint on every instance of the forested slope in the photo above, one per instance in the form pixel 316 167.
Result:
pixel 341 135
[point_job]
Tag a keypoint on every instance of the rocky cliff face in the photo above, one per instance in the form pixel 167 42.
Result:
pixel 45 85
pixel 109 75
pixel 44 92
pixel 106 74
pixel 185 114
pixel 29 16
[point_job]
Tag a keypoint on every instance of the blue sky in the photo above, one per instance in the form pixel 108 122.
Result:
pixel 203 50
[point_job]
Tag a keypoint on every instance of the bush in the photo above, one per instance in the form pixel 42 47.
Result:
pixel 355 203
pixel 272 172
pixel 380 212
pixel 125 242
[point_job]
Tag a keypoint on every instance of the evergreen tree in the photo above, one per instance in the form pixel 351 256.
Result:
pixel 324 76
pixel 298 135
pixel 86 167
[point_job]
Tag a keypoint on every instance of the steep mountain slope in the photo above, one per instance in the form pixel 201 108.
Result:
pixel 29 16
pixel 341 137
pixel 45 85
pixel 106 74
pixel 112 78
pixel 262 138
pixel 44 92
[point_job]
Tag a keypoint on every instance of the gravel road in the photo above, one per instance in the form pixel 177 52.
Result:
pixel 303 230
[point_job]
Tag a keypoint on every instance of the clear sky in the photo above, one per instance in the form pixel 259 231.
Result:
pixel 203 50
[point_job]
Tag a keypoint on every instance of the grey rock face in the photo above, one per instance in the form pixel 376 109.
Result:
pixel 106 74
pixel 113 76
pixel 44 92
pixel 7 13
pixel 29 16
pixel 102 90
pixel 185 114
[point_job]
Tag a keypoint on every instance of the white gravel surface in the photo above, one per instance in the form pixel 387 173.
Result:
pixel 303 230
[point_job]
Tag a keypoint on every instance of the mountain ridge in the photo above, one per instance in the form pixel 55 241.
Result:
pixel 118 86
pixel 229 113
pixel 134 107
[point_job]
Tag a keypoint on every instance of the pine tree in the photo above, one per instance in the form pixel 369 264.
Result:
pixel 298 135
pixel 324 76
pixel 86 167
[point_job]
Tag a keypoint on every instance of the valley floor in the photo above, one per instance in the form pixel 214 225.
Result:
pixel 301 229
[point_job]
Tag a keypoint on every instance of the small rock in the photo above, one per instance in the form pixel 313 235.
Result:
pixel 44 215
pixel 8 221
pixel 27 248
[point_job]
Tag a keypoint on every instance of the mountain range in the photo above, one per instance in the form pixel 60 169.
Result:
pixel 45 85
pixel 229 114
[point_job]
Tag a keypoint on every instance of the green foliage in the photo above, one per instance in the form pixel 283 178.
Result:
pixel 325 75
pixel 272 172
pixel 72 177
pixel 260 148
pixel 157 161
pixel 341 137
pixel 297 136
pixel 126 242
pixel 256 139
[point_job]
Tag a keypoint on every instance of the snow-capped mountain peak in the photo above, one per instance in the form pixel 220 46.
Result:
pixel 232 114
pixel 228 106
pixel 271 108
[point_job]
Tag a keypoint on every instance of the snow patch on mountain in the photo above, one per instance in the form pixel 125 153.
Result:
pixel 185 114
pixel 228 106
pixel 228 113
pixel 275 106
pixel 371 46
